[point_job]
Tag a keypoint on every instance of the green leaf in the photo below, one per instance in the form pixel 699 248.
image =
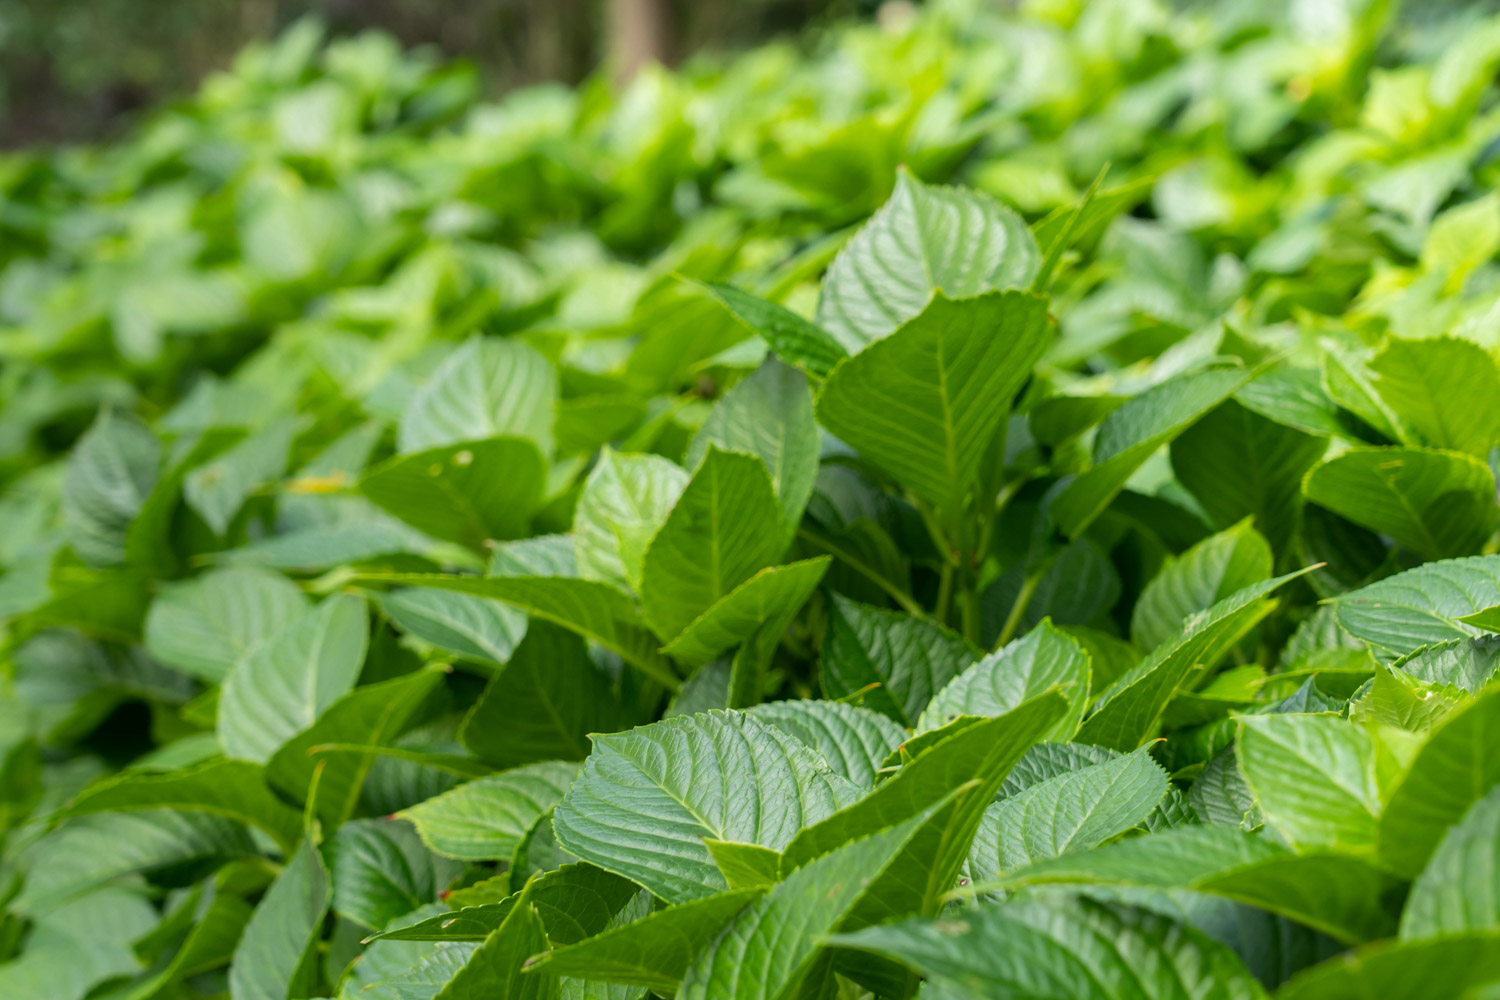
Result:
pixel 496 969
pixel 544 704
pixel 110 474
pixel 487 387
pixel 373 715
pixel 469 492
pixel 910 658
pixel 469 627
pixel 1042 659
pixel 1445 391
pixel 90 850
pixel 1402 970
pixel 595 610
pixel 1398 700
pixel 854 741
pixel 1436 503
pixel 624 502
pixel 769 415
pixel 772 594
pixel 79 945
pixel 924 404
pixel 1314 778
pixel 219 488
pixel 1459 890
pixel 205 625
pixel 1465 664
pixel 1204 575
pixel 653 952
pixel 234 789
pixel 281 687
pixel 486 818
pixel 1350 383
pixel 1453 769
pixel 1238 464
pixel 646 799
pixel 1127 712
pixel 794 339
pixel 1075 811
pixel 744 866
pixel 773 947
pixel 1134 432
pixel 382 871
pixel 1420 607
pixel 720 533
pixel 923 239
pixel 1061 947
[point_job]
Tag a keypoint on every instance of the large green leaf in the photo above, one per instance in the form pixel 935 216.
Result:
pixel 1459 890
pixel 1436 503
pixel 1202 576
pixel 282 686
pixel 382 871
pixel 924 403
pixel 1061 947
pixel 1075 811
pixel 624 502
pixel 909 658
pixel 769 415
pixel 1043 658
pixel 79 945
pixel 923 239
pixel 233 788
pixel 110 475
pixel 646 799
pixel 207 624
pixel 487 387
pixel 544 704
pixel 1135 431
pixel 772 594
pixel 723 529
pixel 487 818
pixel 1126 714
pixel 1445 391
pixel 1314 778
pixel 1417 608
pixel 854 741
pixel 466 626
pixel 496 969
pixel 1454 769
pixel 469 492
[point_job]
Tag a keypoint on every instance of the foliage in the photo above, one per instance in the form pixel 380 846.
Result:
pixel 609 544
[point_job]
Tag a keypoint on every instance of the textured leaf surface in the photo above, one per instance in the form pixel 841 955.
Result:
pixel 1202 576
pixel 624 502
pixel 1313 777
pixel 1418 607
pixel 487 387
pixel 769 595
pixel 1043 658
pixel 268 963
pixel 1459 890
pixel 794 339
pixel 486 818
pixel 205 625
pixel 854 741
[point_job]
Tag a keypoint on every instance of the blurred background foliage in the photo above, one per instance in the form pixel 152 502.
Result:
pixel 77 69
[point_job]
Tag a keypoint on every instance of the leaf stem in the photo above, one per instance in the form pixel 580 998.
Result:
pixel 945 595
pixel 1018 607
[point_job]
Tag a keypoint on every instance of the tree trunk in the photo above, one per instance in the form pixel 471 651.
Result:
pixel 639 32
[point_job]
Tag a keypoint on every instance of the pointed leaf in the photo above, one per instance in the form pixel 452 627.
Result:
pixel 486 818
pixel 1043 658
pixel 205 625
pixel 487 387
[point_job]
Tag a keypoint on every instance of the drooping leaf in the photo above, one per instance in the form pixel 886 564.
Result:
pixel 1421 606
pixel 466 626
pixel 270 962
pixel 772 594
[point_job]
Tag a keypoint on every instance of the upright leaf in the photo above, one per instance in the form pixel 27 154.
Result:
pixel 1202 576
pixel 624 502
pixel 1313 777
pixel 110 474
pixel 271 960
pixel 1445 390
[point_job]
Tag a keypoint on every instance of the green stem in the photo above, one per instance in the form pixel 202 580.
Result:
pixel 945 595
pixel 905 600
pixel 1018 607
pixel 973 619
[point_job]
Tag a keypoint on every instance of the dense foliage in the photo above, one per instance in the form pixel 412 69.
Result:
pixel 570 548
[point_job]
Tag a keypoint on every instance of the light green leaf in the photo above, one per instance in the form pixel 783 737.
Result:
pixel 1075 811
pixel 469 492
pixel 653 952
pixel 1459 890
pixel 110 474
pixel 496 969
pixel 205 625
pixel 282 686
pixel 1446 391
pixel 1401 701
pixel 1202 576
pixel 795 340
pixel 1402 970
pixel 1313 777
pixel 773 593
pixel 1134 432
pixel 769 415
pixel 219 488
pixel 910 658
pixel 924 404
pixel 721 532
pixel 1436 503
pixel 1058 946
pixel 923 239
pixel 624 502
pixel 1126 714
pixel 1043 658
pixel 78 945
pixel 854 741
pixel 544 704
pixel 1466 664
pixel 487 387
pixel 234 789
pixel 1454 769
pixel 647 797
pixel 744 866
pixel 1401 613
pixel 486 818
pixel 466 626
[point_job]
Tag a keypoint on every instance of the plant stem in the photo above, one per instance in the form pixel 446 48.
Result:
pixel 972 618
pixel 1018 607
pixel 945 595
pixel 905 600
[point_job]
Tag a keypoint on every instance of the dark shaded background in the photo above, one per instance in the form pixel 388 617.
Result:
pixel 75 70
